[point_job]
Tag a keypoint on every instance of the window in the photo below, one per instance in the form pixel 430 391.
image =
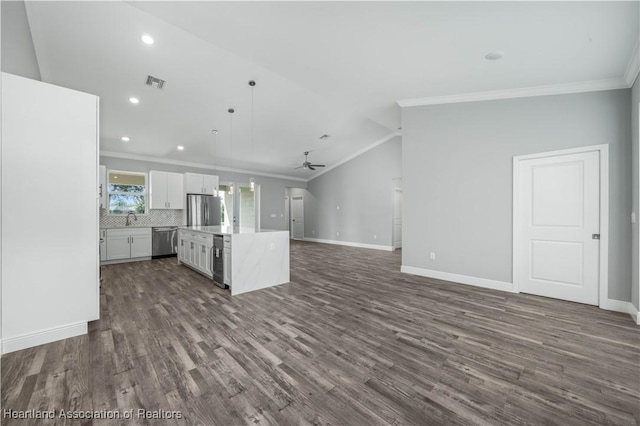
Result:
pixel 127 192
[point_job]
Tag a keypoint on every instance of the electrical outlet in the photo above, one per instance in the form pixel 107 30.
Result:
pixel 432 256
pixel 337 234
pixel 375 236
pixel 273 215
pixel 633 217
pixel 337 207
pixel 313 232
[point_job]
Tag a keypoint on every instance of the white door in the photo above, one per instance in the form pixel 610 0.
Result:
pixel 175 191
pixel 140 246
pixel 297 217
pixel 118 247
pixel 209 184
pixel 193 183
pixel 157 190
pixel 397 218
pixel 558 221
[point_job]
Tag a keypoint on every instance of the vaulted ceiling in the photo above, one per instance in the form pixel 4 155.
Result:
pixel 334 68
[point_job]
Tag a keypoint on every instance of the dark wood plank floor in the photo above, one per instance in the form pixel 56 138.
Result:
pixel 350 341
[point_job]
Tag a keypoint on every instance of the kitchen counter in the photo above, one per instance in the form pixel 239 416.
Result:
pixel 253 259
pixel 226 230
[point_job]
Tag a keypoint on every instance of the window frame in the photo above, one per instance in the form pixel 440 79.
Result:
pixel 144 194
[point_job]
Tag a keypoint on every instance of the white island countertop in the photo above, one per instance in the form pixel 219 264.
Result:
pixel 258 259
pixel 226 230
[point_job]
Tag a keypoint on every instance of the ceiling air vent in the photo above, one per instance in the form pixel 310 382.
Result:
pixel 154 82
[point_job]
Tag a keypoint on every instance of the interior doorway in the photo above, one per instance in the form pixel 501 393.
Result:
pixel 287 213
pixel 297 217
pixel 397 218
pixel 561 224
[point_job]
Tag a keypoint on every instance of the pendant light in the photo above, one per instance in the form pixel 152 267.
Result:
pixel 252 181
pixel 215 156
pixel 231 111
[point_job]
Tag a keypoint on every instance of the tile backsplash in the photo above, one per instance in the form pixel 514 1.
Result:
pixel 154 218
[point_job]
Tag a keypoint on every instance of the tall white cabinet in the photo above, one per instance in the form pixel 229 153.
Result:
pixel 50 202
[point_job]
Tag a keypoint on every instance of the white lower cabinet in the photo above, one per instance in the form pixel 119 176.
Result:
pixel 226 261
pixel 103 245
pixel 195 249
pixel 128 243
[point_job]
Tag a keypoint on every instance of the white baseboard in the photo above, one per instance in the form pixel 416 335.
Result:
pixel 350 244
pixel 634 313
pixel 621 306
pixel 30 340
pixel 463 279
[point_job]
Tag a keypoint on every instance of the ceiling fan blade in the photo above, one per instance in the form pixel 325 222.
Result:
pixel 299 167
pixel 311 167
pixel 317 165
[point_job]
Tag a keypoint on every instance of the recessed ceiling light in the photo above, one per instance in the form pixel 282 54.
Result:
pixel 214 131
pixel 134 100
pixel 494 56
pixel 147 39
pixel 125 139
pixel 180 148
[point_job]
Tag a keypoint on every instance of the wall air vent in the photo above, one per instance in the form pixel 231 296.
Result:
pixel 154 82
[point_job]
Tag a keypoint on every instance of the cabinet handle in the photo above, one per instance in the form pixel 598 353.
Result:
pixel 182 243
pixel 168 204
pixel 131 240
pixel 101 190
pixel 128 240
pixel 204 249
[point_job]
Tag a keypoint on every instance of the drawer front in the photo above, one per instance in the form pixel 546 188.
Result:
pixel 120 232
pixel 140 232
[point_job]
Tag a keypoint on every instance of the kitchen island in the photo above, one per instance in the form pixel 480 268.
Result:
pixel 242 259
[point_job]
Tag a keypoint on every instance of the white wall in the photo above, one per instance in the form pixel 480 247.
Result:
pixel 362 188
pixel 18 52
pixel 457 177
pixel 50 251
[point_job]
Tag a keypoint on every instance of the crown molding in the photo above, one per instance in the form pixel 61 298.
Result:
pixel 358 153
pixel 633 66
pixel 525 92
pixel 138 157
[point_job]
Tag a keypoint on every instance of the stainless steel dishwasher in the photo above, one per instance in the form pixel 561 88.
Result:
pixel 164 241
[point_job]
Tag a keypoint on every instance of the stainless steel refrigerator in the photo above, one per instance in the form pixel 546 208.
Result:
pixel 203 210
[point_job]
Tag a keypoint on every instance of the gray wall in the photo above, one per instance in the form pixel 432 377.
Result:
pixel 458 177
pixel 635 252
pixel 18 53
pixel 272 190
pixel 363 189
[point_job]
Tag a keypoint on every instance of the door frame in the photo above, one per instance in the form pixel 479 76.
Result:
pixel 603 150
pixel 393 218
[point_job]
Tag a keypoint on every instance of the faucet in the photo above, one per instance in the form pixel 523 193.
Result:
pixel 129 216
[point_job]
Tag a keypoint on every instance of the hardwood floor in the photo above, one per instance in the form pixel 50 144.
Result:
pixel 349 341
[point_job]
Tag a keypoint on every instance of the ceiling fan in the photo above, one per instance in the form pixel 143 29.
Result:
pixel 307 164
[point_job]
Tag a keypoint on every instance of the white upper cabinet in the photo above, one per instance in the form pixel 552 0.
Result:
pixel 166 190
pixel 196 183
pixel 175 191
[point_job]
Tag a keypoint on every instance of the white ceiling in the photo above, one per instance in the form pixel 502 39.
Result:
pixel 320 67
